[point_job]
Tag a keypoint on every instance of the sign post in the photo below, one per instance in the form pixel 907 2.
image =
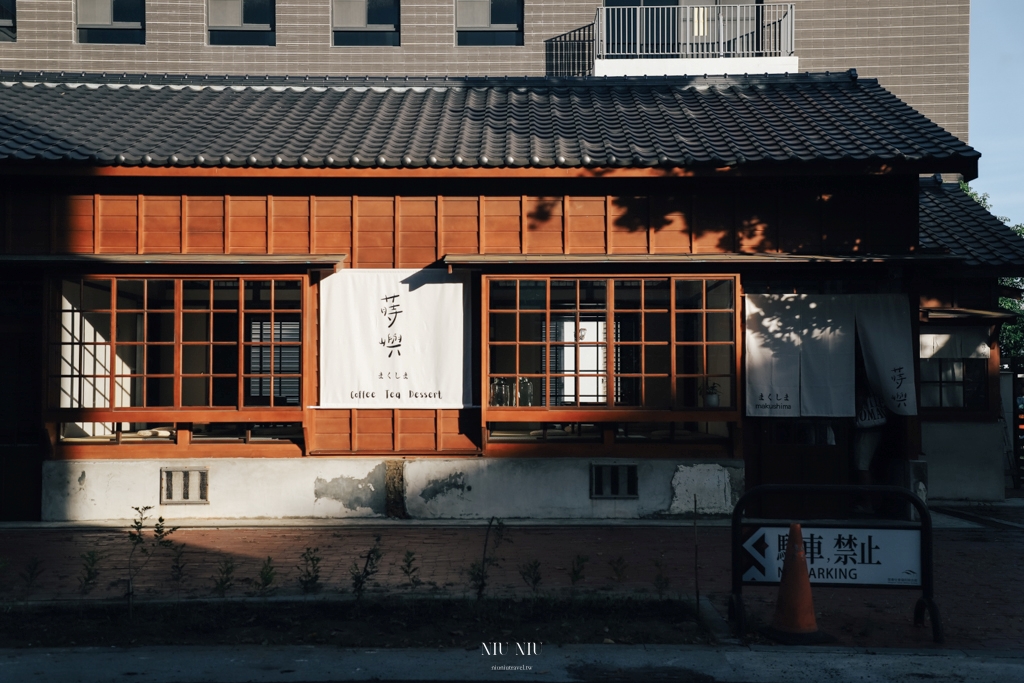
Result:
pixel 876 553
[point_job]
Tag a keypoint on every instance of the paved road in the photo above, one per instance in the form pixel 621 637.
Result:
pixel 683 664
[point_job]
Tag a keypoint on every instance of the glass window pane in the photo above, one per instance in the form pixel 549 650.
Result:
pixel 593 293
pixel 627 327
pixel 563 327
pixel 656 327
pixel 656 293
pixel 225 327
pixel 286 391
pixel 257 360
pixel 160 294
pixel 563 391
pixel 502 389
pixel 159 327
pixel 627 391
pixel 258 11
pixel 225 294
pixel 531 360
pixel 656 360
pixel 225 391
pixel 194 294
pixel 627 294
pixel 930 370
pixel 503 294
pixel 129 327
pixel 503 359
pixel 687 392
pixel 720 359
pixel 257 294
pixel 159 391
pixel 563 294
pixel 257 327
pixel 562 359
pixel 225 359
pixel 720 327
pixel 95 327
pixel 690 294
pixel 383 12
pixel 507 12
pixel 627 359
pixel 720 294
pixel 502 327
pixel 532 326
pixel 96 295
pixel 287 327
pixel 71 295
pixel 975 370
pixel 592 328
pixel 592 390
pixel 129 359
pixel 533 295
pixel 131 294
pixel 195 391
pixel 195 359
pixel 287 360
pixel 288 295
pixel 952 395
pixel 257 391
pixel 657 392
pixel 194 326
pixel 930 396
pixel 531 392
pixel 159 359
pixel 689 327
pixel 593 359
pixel 128 392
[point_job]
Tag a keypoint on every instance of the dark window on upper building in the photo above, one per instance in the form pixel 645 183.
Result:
pixel 242 22
pixel 112 21
pixel 489 22
pixel 366 22
pixel 7 20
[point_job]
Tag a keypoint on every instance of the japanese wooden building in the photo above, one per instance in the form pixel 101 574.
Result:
pixel 166 242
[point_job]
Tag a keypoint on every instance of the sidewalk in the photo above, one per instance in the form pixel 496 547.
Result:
pixel 642 664
pixel 977 570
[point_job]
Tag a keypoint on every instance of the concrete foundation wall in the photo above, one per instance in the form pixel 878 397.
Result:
pixel 965 460
pixel 328 488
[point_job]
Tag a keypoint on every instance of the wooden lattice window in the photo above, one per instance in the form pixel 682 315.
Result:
pixel 625 343
pixel 177 343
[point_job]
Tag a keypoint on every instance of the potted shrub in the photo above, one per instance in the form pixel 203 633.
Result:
pixel 709 390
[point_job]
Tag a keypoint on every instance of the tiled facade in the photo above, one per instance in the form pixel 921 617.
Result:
pixel 917 49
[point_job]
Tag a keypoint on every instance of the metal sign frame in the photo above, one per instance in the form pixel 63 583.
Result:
pixel 925 602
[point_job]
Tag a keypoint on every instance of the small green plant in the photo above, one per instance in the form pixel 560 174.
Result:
pixel 90 572
pixel 410 569
pixel 263 584
pixel 371 561
pixel 33 570
pixel 145 547
pixel 178 564
pixel 576 570
pixel 225 577
pixel 661 580
pixel 479 572
pixel 309 571
pixel 530 573
pixel 619 566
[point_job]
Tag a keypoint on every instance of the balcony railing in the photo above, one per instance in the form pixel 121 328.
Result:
pixel 694 31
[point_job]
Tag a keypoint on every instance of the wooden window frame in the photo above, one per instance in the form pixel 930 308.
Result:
pixel 178 413
pixel 609 412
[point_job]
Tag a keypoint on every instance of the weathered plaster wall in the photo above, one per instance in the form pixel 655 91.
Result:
pixel 965 460
pixel 238 488
pixel 328 488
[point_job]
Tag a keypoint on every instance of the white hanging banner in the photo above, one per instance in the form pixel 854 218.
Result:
pixel 883 327
pixel 393 338
pixel 800 355
pixel 827 356
pixel 773 357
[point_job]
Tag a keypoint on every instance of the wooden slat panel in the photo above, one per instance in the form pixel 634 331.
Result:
pixel 204 225
pixel 460 223
pixel 74 225
pixel 114 205
pixel 334 442
pixel 671 225
pixel 756 222
pixel 376 206
pixel 375 442
pixel 417 239
pixel 459 206
pixel 714 222
pixel 416 224
pixel 419 206
pixel 415 442
pixel 375 239
pixel 417 257
pixel 29 230
pixel 119 224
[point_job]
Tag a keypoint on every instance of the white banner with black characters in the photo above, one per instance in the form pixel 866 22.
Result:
pixel 873 557
pixel 394 338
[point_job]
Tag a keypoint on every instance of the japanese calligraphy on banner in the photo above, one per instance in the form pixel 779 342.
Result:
pixel 393 338
pixel 873 557
pixel 883 327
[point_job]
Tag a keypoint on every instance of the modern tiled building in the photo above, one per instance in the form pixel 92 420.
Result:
pixel 480 257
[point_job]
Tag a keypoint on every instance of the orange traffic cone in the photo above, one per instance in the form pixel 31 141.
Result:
pixel 794 622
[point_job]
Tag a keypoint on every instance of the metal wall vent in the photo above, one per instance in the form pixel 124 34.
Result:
pixel 613 481
pixel 184 486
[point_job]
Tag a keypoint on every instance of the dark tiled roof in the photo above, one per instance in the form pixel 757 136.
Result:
pixel 953 222
pixel 336 122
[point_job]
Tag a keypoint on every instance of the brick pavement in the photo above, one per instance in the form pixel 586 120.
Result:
pixel 976 571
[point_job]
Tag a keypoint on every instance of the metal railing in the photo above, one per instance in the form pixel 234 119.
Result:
pixel 694 31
